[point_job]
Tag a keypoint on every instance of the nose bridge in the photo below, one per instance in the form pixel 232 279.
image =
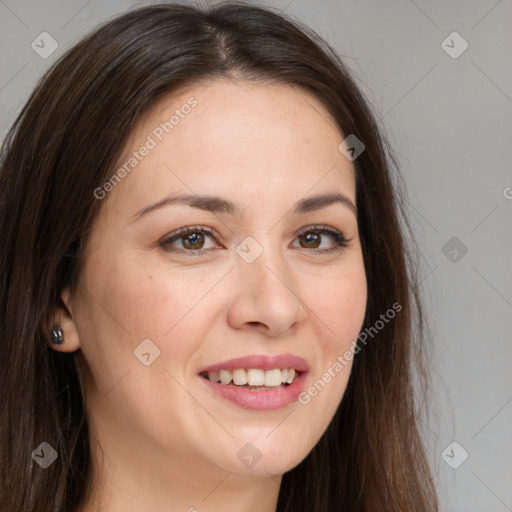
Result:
pixel 266 292
pixel 263 261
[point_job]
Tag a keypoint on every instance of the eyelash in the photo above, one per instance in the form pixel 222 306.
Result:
pixel 337 236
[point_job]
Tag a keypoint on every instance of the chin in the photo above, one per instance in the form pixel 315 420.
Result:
pixel 264 458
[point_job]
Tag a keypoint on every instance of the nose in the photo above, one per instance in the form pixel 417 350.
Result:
pixel 266 298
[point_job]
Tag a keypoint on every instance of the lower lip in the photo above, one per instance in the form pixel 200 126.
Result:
pixel 259 400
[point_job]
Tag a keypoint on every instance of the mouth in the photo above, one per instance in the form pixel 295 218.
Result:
pixel 257 382
pixel 254 379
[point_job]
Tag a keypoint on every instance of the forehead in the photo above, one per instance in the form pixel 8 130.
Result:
pixel 258 140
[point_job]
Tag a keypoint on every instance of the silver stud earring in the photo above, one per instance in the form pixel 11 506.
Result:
pixel 57 335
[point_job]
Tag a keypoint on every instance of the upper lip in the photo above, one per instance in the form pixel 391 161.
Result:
pixel 261 361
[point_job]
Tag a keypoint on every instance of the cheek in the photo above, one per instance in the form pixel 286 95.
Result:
pixel 338 308
pixel 171 307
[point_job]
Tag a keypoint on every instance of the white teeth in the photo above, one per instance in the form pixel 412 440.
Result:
pixel 273 378
pixel 240 377
pixel 225 376
pixel 214 376
pixel 254 377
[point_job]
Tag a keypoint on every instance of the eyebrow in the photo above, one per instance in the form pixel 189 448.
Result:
pixel 215 204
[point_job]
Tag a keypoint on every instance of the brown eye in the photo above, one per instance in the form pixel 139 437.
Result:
pixel 313 238
pixel 191 240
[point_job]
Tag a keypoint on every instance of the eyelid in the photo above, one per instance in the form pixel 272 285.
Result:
pixel 191 229
pixel 176 235
pixel 318 227
pixel 339 237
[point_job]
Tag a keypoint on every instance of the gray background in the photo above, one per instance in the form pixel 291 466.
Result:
pixel 450 121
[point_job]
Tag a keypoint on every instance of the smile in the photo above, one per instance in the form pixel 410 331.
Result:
pixel 254 378
pixel 257 382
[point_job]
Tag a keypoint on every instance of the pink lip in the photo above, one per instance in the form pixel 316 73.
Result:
pixel 259 400
pixel 262 362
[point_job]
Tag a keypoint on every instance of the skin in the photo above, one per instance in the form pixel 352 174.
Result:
pixel 160 439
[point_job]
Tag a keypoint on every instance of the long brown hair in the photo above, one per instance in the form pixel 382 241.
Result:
pixel 65 143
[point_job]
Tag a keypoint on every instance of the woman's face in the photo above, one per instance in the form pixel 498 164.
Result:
pixel 158 313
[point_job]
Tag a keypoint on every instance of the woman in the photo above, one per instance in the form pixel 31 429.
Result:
pixel 205 301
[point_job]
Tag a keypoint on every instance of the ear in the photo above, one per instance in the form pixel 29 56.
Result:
pixel 63 314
